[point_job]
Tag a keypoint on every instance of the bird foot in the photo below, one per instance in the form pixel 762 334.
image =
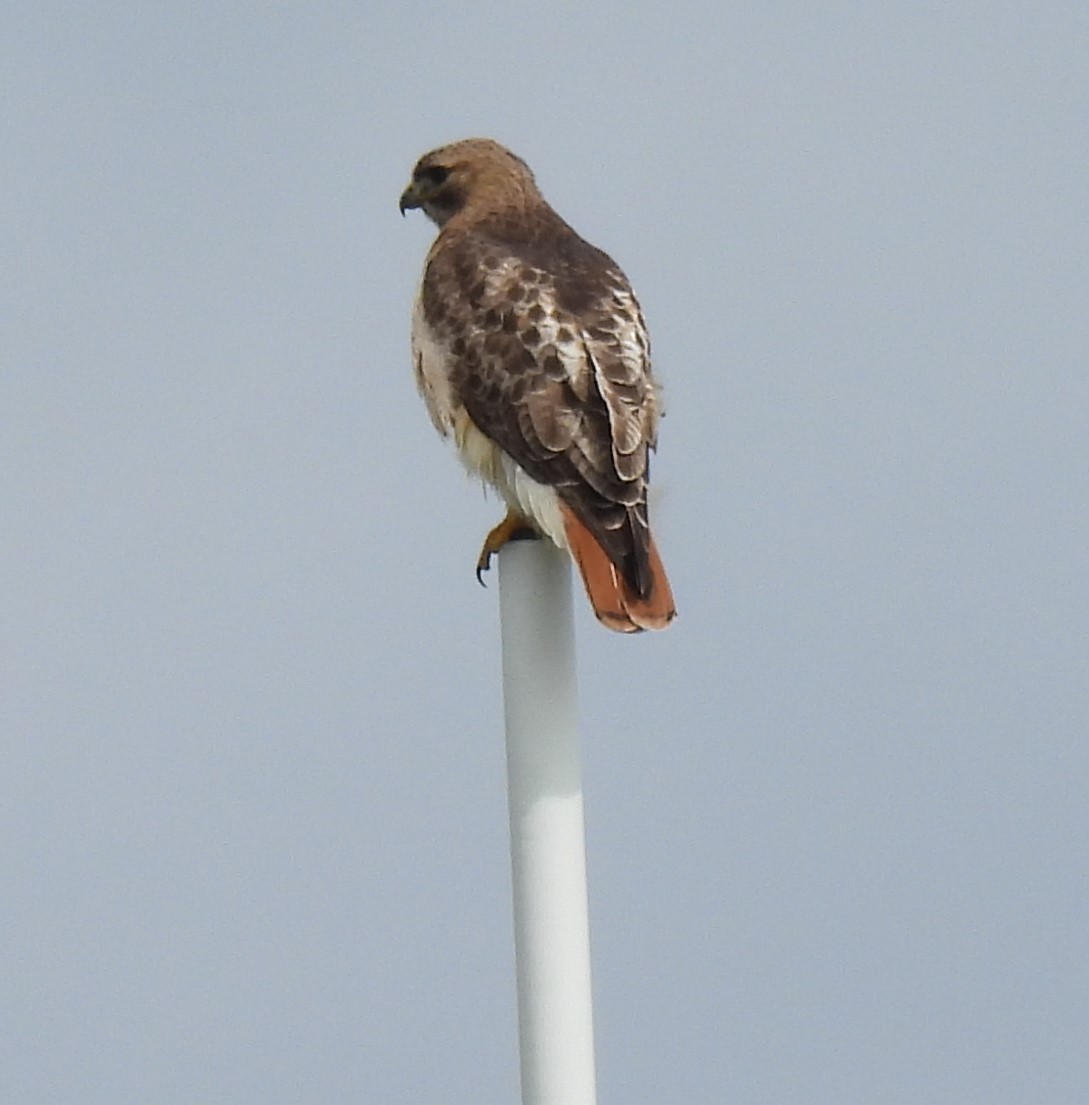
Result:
pixel 513 528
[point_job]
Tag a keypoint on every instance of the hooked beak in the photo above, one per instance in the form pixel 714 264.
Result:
pixel 410 198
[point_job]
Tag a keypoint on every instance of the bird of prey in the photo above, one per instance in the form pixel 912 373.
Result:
pixel 531 351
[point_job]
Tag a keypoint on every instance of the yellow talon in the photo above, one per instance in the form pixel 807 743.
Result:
pixel 513 528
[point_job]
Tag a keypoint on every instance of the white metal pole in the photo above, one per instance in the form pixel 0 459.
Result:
pixel 547 840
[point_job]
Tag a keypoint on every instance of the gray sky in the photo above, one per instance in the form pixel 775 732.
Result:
pixel 252 812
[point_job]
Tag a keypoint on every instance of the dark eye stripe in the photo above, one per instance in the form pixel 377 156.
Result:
pixel 434 174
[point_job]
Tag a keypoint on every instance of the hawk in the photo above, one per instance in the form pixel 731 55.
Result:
pixel 531 351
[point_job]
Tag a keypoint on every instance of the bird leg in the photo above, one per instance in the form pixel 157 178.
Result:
pixel 514 527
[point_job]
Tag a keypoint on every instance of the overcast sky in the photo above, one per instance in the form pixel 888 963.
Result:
pixel 253 841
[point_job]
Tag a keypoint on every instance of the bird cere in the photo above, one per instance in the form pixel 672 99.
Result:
pixel 531 350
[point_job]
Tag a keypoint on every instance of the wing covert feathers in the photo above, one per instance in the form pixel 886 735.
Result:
pixel 615 603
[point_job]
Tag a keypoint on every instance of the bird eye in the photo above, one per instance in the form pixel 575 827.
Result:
pixel 434 174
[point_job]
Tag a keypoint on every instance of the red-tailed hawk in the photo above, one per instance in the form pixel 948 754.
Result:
pixel 530 348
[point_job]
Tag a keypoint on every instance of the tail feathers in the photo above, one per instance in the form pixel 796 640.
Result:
pixel 616 605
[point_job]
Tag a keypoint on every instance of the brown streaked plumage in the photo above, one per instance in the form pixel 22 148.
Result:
pixel 530 348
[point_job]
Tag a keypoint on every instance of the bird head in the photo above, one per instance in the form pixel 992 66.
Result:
pixel 476 169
